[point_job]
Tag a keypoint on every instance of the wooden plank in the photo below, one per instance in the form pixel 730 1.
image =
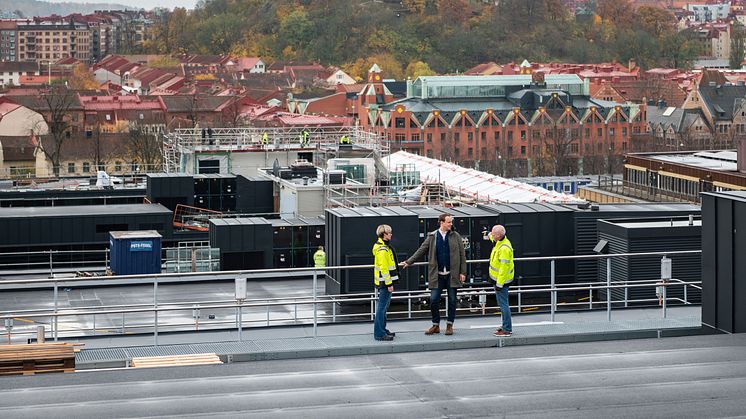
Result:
pixel 175 360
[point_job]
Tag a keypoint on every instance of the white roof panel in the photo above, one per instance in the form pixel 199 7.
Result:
pixel 474 183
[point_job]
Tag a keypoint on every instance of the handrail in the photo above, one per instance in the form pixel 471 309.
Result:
pixel 223 275
pixel 475 289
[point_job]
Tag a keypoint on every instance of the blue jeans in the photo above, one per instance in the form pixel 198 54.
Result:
pixel 444 281
pixel 503 302
pixel 379 324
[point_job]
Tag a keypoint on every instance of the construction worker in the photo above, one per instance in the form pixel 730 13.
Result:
pixel 265 138
pixel 304 138
pixel 502 271
pixel 319 258
pixel 345 140
pixel 384 275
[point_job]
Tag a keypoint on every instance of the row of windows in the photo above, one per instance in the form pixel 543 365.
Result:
pixel 488 154
pixel 71 167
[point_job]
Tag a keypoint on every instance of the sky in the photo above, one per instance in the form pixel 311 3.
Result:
pixel 145 4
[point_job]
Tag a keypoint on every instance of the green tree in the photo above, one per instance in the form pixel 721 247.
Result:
pixel 621 13
pixel 296 29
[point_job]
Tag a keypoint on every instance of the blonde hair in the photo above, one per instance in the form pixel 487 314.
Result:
pixel 383 229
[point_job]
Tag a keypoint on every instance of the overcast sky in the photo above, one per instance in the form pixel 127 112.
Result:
pixel 145 4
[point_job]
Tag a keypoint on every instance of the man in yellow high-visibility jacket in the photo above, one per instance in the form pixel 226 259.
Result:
pixel 319 258
pixel 502 271
pixel 385 272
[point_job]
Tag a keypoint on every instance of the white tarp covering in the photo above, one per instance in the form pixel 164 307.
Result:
pixel 481 185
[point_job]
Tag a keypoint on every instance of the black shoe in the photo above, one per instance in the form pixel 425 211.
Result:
pixel 386 338
pixel 392 334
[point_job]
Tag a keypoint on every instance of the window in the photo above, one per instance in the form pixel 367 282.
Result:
pixel 483 136
pixel 497 135
pixel 600 132
pixel 456 137
pixel 611 132
pixel 71 168
pixel 470 153
pixel 470 136
pixel 429 137
pixel 399 137
pixel 510 135
pixel 416 137
pixel 430 153
pixel 587 132
pixel 624 131
pixel 442 137
pixel 574 148
pixel 510 151
pixel 523 150
pixel 399 123
pixel 86 167
pixel 523 134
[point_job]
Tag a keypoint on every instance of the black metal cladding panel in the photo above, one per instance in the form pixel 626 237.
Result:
pixel 738 238
pixel 709 259
pixel 282 234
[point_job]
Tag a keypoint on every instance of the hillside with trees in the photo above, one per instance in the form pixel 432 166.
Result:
pixel 415 37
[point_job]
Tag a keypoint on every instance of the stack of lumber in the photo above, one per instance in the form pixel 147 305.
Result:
pixel 37 358
pixel 175 360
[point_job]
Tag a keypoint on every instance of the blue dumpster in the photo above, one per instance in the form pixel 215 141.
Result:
pixel 135 252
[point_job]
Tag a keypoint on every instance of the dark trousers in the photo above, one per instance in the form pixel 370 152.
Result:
pixel 444 281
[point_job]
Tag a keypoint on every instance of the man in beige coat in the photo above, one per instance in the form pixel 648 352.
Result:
pixel 446 269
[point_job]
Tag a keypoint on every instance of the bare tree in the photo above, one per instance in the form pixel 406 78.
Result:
pixel 57 101
pixel 145 148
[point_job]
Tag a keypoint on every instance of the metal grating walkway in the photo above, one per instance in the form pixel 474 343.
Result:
pixel 362 343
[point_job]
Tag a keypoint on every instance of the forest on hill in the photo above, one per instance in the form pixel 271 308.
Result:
pixel 417 37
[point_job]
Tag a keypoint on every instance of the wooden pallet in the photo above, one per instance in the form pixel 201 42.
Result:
pixel 175 360
pixel 37 358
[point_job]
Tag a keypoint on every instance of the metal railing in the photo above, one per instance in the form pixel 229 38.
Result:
pixel 240 305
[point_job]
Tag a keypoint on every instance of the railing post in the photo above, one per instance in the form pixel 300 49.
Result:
pixel 155 311
pixel 686 300
pixel 626 294
pixel 267 312
pixel 553 298
pixel 51 265
pixel 409 305
pixel 56 318
pixel 373 304
pixel 94 325
pixel 240 323
pixel 608 289
pixel 519 298
pixel 315 318
pixel 123 322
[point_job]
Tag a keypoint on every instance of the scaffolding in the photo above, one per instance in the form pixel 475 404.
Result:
pixel 183 141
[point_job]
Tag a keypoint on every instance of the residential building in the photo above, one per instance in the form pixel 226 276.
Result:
pixel 709 12
pixel 11 72
pixel 8 40
pixel 47 43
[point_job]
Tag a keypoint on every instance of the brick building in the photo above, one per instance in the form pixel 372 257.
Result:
pixel 512 125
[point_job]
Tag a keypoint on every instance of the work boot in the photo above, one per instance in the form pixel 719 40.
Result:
pixel 449 329
pixel 433 329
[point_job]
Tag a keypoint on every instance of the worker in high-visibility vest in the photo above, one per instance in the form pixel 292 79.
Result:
pixel 502 271
pixel 319 258
pixel 345 140
pixel 265 138
pixel 304 138
pixel 385 272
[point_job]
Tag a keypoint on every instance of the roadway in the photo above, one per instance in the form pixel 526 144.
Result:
pixel 684 377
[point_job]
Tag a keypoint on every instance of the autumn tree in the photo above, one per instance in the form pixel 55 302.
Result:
pixel 415 6
pixel 654 20
pixel 453 11
pixel 737 45
pixel 56 103
pixel 418 68
pixel 81 78
pixel 144 147
pixel 620 13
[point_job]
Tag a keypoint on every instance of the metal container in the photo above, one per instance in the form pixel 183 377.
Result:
pixel 135 252
pixel 632 235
